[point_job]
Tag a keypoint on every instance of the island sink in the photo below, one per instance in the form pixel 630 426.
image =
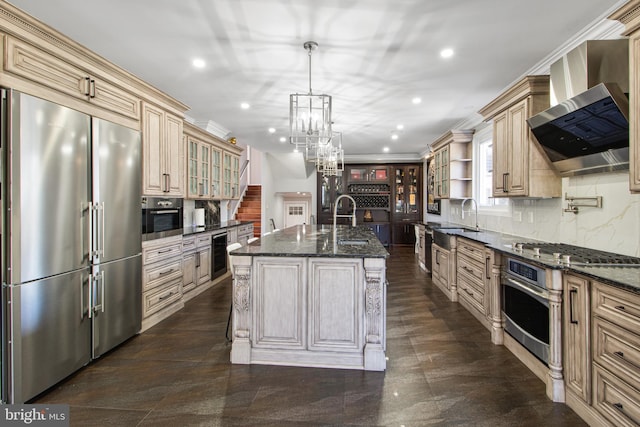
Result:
pixel 353 242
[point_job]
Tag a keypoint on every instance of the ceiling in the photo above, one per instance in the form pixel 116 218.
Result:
pixel 374 57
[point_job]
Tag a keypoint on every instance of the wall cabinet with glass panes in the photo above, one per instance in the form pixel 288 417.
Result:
pixel 407 203
pixel 208 176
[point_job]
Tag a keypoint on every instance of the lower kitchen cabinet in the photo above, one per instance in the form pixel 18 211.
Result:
pixel 440 271
pixel 244 233
pixel 161 279
pixel 382 232
pixel 602 352
pixel 403 233
pixel 473 278
pixel 196 262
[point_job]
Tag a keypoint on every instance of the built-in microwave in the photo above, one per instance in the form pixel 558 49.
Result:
pixel 161 217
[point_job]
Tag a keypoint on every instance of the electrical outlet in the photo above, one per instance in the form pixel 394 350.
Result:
pixel 517 216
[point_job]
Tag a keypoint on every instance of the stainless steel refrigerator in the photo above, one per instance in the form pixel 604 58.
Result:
pixel 71 241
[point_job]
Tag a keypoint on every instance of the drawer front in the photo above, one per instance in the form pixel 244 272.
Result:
pixel 155 276
pixel 159 253
pixel 203 241
pixel 471 269
pixel 471 249
pixel 471 295
pixel 245 229
pixel 162 297
pixel 616 306
pixel 617 350
pixel 188 244
pixel 616 400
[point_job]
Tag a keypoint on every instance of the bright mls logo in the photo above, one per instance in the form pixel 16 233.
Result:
pixel 35 415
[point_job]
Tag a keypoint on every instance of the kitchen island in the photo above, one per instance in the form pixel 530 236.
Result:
pixel 311 296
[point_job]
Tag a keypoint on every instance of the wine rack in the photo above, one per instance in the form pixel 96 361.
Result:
pixel 371 196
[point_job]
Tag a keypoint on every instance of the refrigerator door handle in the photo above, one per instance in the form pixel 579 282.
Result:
pixel 102 239
pixel 100 288
pixel 90 232
pixel 92 281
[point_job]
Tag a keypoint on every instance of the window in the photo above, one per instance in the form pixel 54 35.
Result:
pixel 483 179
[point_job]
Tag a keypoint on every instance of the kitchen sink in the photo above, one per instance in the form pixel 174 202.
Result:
pixel 355 242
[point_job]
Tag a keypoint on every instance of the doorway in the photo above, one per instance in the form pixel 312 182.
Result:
pixel 296 212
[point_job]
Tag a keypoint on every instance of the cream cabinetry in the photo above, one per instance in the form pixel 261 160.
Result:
pixel 473 276
pixel 196 261
pixel 520 169
pixel 60 74
pixel 199 183
pixel 629 15
pixel 576 331
pixel 440 271
pixel 616 354
pixel 163 170
pixel 212 165
pixel 161 279
pixel 421 246
pixel 230 175
pixel 244 233
pixel 453 164
pixel 601 351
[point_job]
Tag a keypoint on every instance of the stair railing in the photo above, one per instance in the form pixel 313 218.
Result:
pixel 234 205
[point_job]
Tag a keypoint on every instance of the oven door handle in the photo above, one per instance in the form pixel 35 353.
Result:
pixel 528 288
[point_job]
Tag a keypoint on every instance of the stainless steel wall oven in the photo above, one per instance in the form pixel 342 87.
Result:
pixel 161 217
pixel 525 306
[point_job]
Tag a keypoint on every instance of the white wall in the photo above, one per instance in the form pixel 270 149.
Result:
pixel 286 173
pixel 615 227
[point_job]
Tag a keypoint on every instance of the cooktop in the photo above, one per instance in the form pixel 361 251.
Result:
pixel 581 256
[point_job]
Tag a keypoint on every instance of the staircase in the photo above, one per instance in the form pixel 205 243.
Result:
pixel 250 208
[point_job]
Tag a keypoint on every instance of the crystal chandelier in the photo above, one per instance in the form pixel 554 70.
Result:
pixel 310 127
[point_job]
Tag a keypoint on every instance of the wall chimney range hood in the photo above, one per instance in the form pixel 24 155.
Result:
pixel 587 131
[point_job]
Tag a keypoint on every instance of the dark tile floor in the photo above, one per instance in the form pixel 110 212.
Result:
pixel 442 371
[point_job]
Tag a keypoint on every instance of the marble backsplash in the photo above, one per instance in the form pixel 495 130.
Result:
pixel 615 227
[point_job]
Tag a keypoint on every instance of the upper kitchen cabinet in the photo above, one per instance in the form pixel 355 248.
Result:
pixel 198 166
pixel 230 175
pixel 520 169
pixel 61 74
pixel 162 147
pixel 629 15
pixel 375 173
pixel 452 157
pixel 212 165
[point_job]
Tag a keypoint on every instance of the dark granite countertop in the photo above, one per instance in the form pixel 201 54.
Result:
pixel 316 241
pixel 222 226
pixel 623 277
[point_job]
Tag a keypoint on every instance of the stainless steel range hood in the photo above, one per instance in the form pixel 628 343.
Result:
pixel 588 130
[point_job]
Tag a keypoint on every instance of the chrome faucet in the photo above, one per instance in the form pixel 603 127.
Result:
pixel 335 210
pixel 476 210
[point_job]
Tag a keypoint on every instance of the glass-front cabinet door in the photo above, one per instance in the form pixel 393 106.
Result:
pixel 226 175
pixel 235 176
pixel 216 172
pixel 205 160
pixel 192 167
pixel 400 205
pixel 411 190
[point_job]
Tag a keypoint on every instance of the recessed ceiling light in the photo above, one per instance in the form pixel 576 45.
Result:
pixel 400 127
pixel 385 149
pixel 283 139
pixel 416 100
pixel 272 130
pixel 245 106
pixel 394 136
pixel 198 63
pixel 446 53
